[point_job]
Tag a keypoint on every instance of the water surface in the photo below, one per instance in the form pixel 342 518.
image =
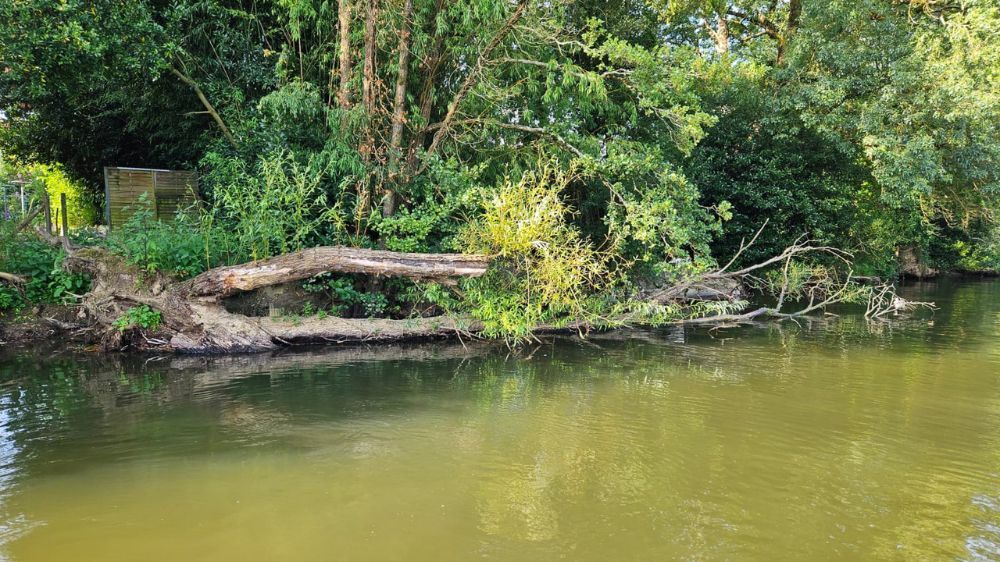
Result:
pixel 833 440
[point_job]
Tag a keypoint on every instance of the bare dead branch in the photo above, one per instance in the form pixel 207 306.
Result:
pixel 26 221
pixel 743 247
pixel 209 108
pixel 15 280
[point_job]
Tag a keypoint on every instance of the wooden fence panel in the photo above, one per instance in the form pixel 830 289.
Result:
pixel 167 191
pixel 175 191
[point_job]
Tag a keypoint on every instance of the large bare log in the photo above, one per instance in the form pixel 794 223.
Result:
pixel 226 281
pixel 213 330
pixel 195 321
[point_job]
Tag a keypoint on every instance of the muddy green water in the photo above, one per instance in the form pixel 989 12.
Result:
pixel 825 441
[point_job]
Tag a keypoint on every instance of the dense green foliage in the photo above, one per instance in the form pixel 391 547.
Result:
pixel 25 256
pixel 179 248
pixel 545 269
pixel 41 266
pixel 590 146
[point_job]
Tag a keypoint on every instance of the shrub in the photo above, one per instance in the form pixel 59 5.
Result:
pixel 345 298
pixel 182 248
pixel 140 316
pixel 277 207
pixel 52 181
pixel 41 265
pixel 544 270
pixel 80 207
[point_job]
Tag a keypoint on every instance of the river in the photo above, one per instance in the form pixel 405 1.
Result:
pixel 823 440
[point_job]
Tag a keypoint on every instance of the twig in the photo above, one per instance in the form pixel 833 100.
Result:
pixel 743 247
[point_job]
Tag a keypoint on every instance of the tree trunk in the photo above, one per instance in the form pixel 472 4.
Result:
pixel 791 26
pixel 344 19
pixel 722 35
pixel 366 144
pixel 399 108
pixel 429 70
pixel 368 76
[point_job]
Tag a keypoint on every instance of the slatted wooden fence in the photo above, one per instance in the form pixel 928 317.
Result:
pixel 166 191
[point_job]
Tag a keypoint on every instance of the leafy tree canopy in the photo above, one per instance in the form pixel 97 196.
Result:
pixel 868 123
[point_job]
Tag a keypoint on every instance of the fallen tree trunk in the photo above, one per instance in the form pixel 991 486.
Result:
pixel 193 319
pixel 297 266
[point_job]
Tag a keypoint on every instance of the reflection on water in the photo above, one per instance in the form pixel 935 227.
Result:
pixel 828 440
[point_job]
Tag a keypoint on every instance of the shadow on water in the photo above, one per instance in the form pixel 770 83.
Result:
pixel 823 439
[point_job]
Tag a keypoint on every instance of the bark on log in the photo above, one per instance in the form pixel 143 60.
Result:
pixel 226 281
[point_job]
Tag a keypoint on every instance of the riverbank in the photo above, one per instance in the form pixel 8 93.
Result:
pixel 51 324
pixel 44 323
pixel 69 326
